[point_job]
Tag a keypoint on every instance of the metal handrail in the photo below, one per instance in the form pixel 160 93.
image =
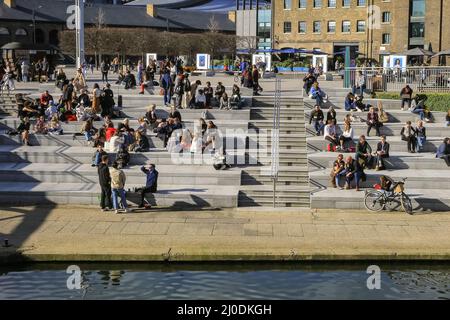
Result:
pixel 276 138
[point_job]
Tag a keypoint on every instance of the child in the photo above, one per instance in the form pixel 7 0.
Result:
pixel 55 126
pixel 40 127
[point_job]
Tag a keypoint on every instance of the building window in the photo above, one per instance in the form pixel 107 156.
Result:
pixel 287 27
pixel 346 3
pixel 21 32
pixel 386 17
pixel 361 26
pixel 4 31
pixel 317 3
pixel 301 27
pixel 386 38
pixel 316 26
pixel 361 3
pixel 346 26
pixel 287 4
pixel 302 4
pixel 417 30
pixel 418 8
pixel 331 3
pixel 331 26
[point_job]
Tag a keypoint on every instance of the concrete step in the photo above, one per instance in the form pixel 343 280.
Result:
pixel 177 196
pixel 427 179
pixel 72 173
pixel 395 116
pixel 397 160
pixel 396 144
pixel 83 155
pixel 422 199
pixel 389 129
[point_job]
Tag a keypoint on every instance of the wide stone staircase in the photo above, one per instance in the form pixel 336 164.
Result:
pixel 292 189
pixel 428 178
pixel 57 168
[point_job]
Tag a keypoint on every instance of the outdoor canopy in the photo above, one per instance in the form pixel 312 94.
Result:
pixel 442 53
pixel 417 52
pixel 287 50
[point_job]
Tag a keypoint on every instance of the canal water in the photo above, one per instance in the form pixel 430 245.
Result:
pixel 226 281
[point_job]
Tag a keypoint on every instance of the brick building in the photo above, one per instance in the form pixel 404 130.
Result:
pixel 372 27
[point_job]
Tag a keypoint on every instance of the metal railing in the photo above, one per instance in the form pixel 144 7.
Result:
pixel 276 138
pixel 420 79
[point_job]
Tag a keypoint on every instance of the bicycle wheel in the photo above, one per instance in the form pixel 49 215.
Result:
pixel 406 203
pixel 374 201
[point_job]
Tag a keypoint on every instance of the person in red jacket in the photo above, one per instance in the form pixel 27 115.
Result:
pixel 110 131
pixel 46 97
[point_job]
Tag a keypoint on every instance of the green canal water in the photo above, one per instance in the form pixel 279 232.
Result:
pixel 226 281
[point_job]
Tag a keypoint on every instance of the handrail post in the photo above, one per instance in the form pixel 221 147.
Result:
pixel 276 138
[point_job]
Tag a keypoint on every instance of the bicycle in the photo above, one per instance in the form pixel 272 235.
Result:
pixel 376 200
pixel 237 77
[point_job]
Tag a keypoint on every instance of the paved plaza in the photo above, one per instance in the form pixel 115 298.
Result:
pixel 64 233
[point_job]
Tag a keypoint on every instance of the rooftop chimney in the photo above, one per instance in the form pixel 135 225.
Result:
pixel 10 3
pixel 151 10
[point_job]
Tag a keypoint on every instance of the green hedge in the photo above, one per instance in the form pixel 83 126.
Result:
pixel 436 101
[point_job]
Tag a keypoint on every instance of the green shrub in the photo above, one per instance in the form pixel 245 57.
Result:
pixel 436 101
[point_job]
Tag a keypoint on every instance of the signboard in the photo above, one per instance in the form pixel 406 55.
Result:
pixel 257 59
pixel 321 60
pixel 203 61
pixel 151 56
pixel 398 62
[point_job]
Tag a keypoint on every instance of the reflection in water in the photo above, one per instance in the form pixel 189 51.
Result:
pixel 134 281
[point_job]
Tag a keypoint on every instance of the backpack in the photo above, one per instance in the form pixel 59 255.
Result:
pixel 331 148
pixel 187 85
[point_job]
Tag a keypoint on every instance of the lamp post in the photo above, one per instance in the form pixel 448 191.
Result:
pixel 79 21
pixel 34 23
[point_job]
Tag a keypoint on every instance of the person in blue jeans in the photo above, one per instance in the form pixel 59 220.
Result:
pixel 118 187
pixel 317 93
pixel 350 102
pixel 421 134
pixel 97 158
pixel 352 170
pixel 166 85
pixel 318 117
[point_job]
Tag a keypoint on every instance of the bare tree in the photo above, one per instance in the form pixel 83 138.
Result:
pixel 247 42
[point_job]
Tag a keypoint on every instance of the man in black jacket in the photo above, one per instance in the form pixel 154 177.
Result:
pixel 317 116
pixel 105 184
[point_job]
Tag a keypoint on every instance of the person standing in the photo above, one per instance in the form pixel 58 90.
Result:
pixel 45 69
pixel 104 178
pixel 408 134
pixel 25 70
pixel 151 185
pixel 421 133
pixel 255 77
pixel 105 69
pixel 118 180
pixel 166 85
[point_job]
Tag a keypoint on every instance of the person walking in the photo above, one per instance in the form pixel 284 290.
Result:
pixel 166 85
pixel 104 178
pixel 151 185
pixel 118 180
pixel 25 71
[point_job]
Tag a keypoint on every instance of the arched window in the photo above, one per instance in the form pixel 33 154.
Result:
pixel 21 32
pixel 53 37
pixel 4 31
pixel 40 36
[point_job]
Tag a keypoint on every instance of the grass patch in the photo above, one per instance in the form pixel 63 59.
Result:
pixel 436 101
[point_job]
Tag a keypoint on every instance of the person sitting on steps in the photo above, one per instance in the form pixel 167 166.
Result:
pixel 317 116
pixel 338 166
pixel 381 153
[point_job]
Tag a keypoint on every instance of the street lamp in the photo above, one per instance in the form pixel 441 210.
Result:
pixel 34 23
